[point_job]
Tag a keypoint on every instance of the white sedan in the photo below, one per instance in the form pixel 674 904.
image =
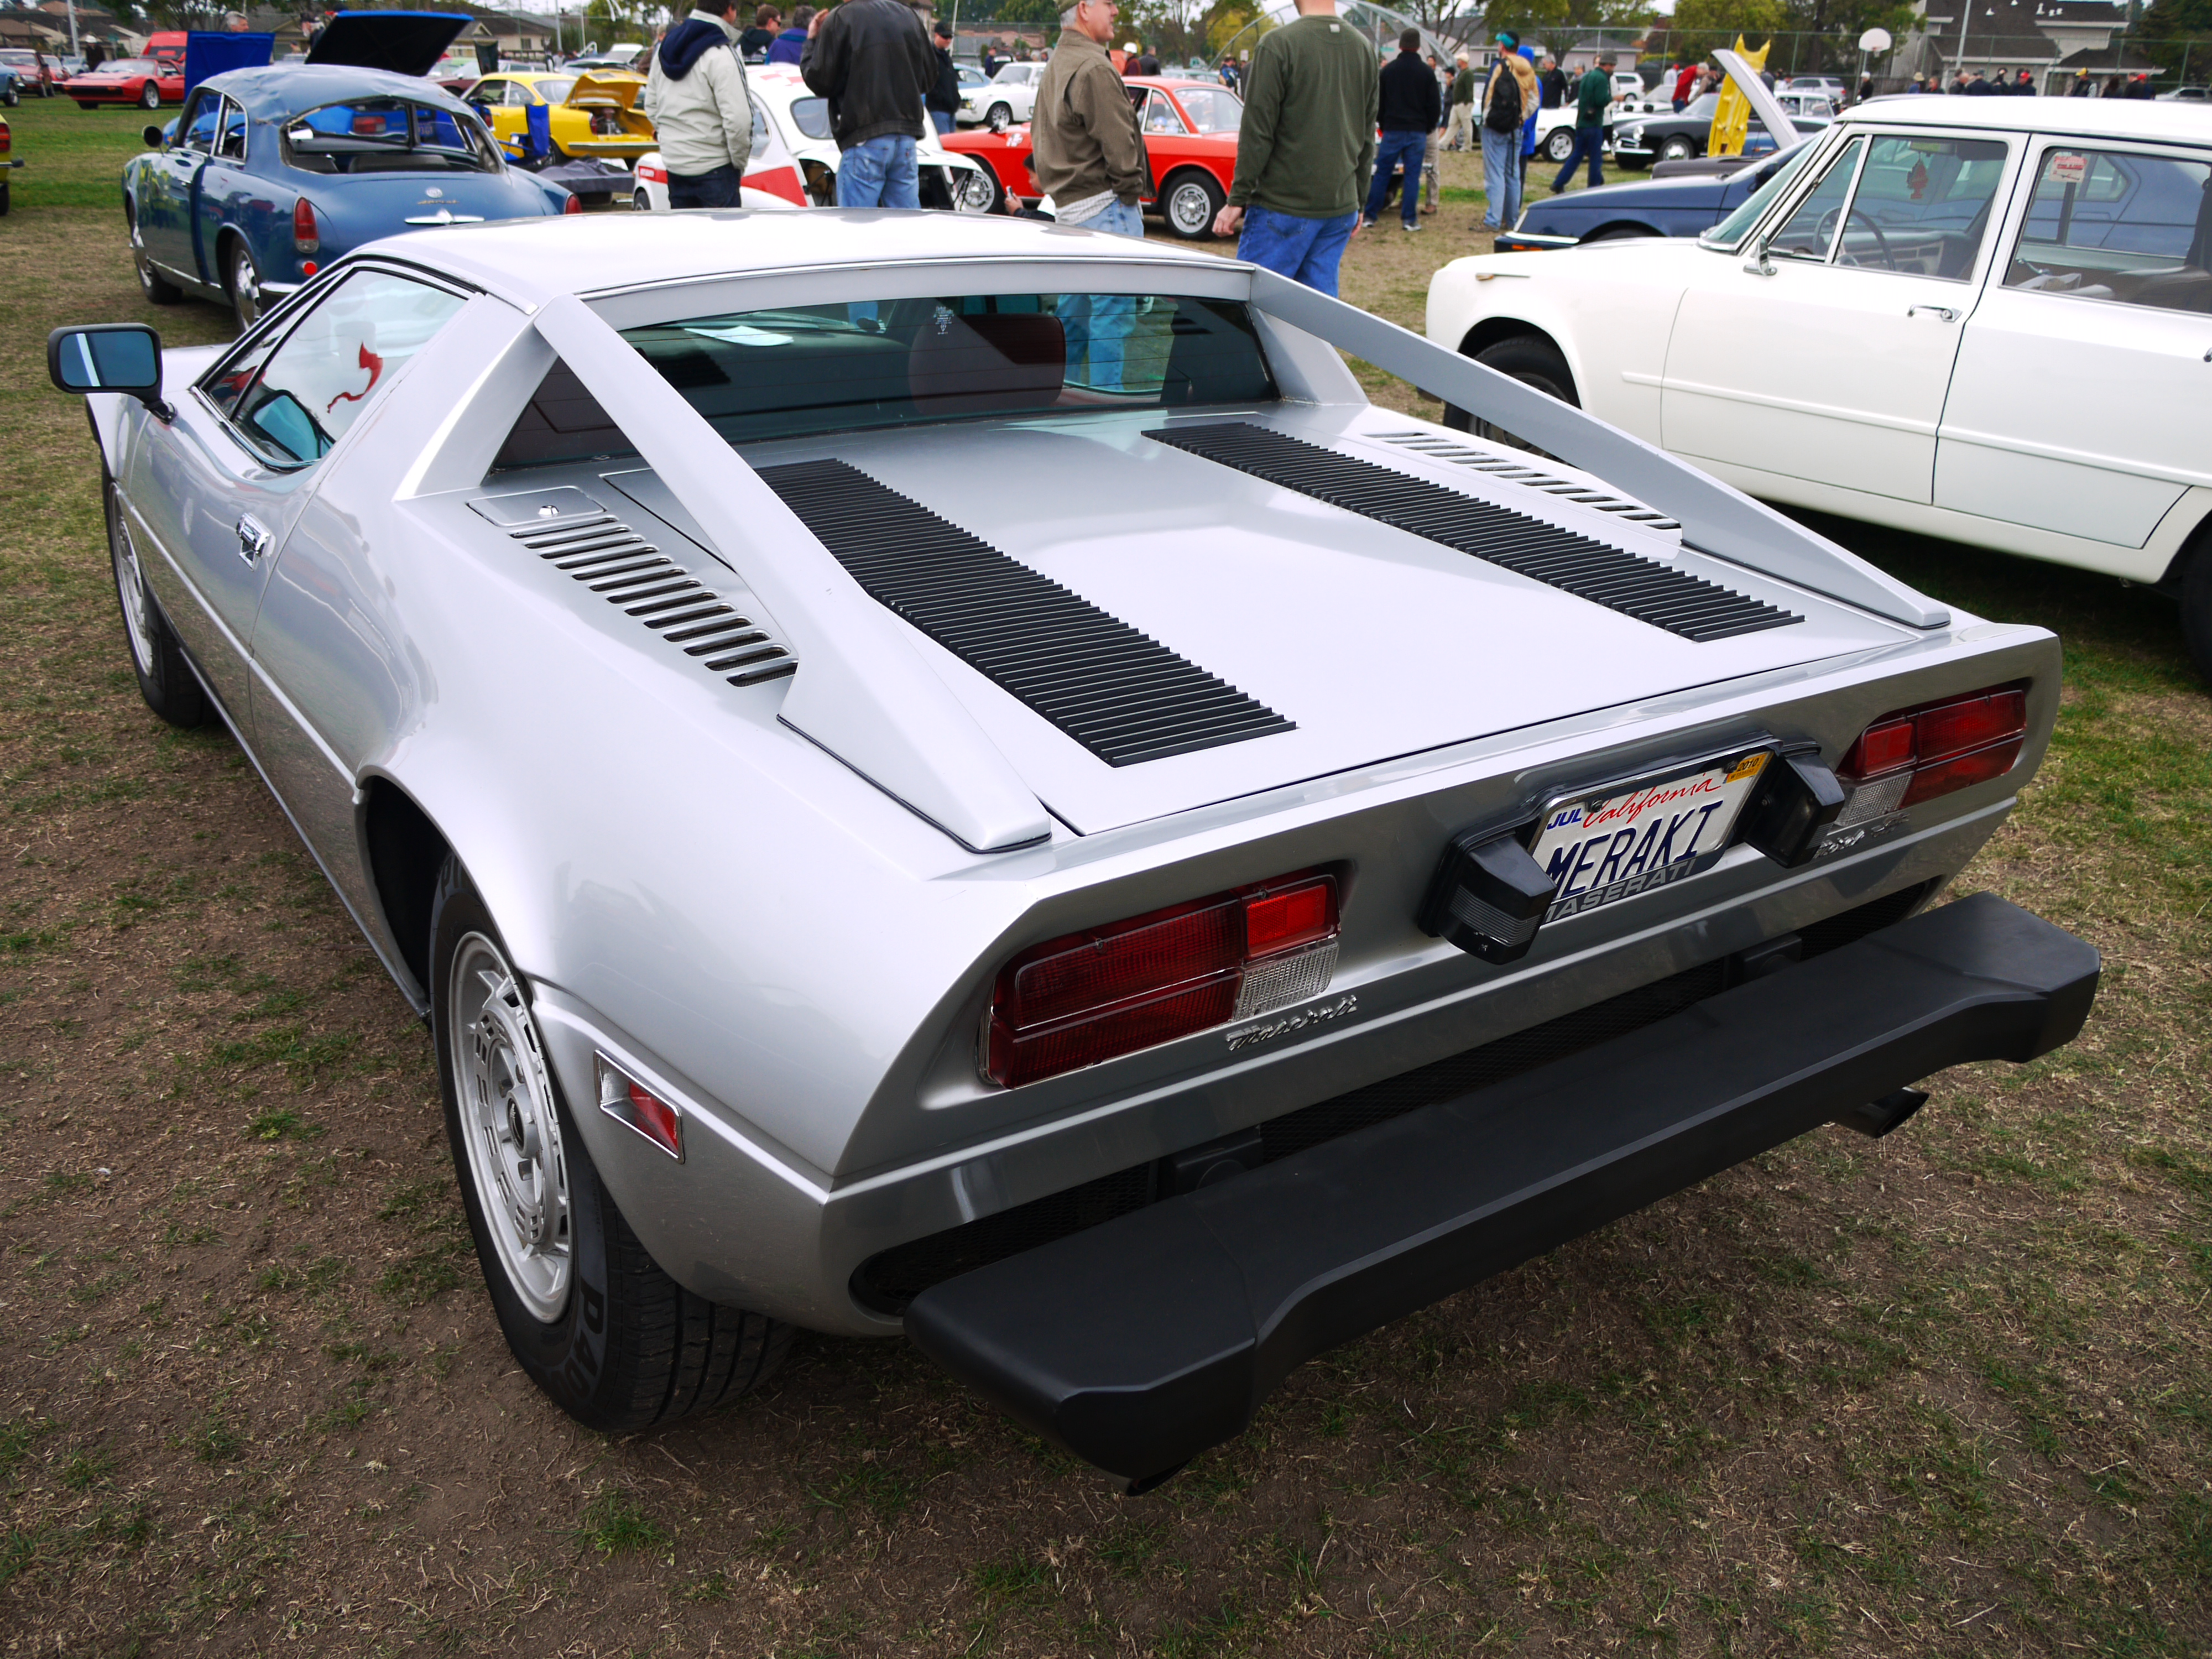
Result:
pixel 1007 99
pixel 794 157
pixel 1980 319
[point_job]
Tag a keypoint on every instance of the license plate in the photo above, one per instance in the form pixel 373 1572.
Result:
pixel 1598 848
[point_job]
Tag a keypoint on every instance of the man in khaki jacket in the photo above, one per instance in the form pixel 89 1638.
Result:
pixel 1089 153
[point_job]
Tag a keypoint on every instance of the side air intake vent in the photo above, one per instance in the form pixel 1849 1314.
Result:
pixel 1647 590
pixel 570 532
pixel 1506 471
pixel 1122 695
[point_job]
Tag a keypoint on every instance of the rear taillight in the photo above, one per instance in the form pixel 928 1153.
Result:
pixel 1918 754
pixel 573 204
pixel 307 237
pixel 1087 997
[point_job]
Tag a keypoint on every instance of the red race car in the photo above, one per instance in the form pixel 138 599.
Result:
pixel 1191 138
pixel 146 81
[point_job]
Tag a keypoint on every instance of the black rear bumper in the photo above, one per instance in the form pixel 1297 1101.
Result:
pixel 1139 1343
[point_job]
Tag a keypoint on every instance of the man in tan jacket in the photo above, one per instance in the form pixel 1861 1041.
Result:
pixel 1090 158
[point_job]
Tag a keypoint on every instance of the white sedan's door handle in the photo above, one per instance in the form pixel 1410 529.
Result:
pixel 1944 312
pixel 252 539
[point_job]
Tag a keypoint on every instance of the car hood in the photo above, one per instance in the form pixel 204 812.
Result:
pixel 404 42
pixel 1371 643
pixel 620 88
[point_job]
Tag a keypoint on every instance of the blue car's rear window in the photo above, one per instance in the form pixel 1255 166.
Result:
pixel 387 135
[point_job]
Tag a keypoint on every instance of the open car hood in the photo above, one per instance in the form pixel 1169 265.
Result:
pixel 403 42
pixel 620 88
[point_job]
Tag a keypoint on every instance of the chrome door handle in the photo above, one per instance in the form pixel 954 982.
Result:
pixel 1944 312
pixel 253 539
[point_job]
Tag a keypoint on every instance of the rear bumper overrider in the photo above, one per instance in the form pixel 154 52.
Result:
pixel 1141 1342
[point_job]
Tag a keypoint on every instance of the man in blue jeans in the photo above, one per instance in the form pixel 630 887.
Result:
pixel 872 60
pixel 1305 149
pixel 1591 96
pixel 1412 108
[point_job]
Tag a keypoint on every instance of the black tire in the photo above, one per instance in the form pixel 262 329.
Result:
pixel 158 290
pixel 1189 203
pixel 998 117
pixel 150 98
pixel 165 679
pixel 629 1349
pixel 2196 605
pixel 1622 233
pixel 1533 361
pixel 3 200
pixel 1561 145
pixel 1678 148
pixel 976 191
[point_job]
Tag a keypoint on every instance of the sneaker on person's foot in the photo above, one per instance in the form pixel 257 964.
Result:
pixel 1415 225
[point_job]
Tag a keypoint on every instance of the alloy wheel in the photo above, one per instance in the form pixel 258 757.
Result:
pixel 1190 207
pixel 999 118
pixel 245 288
pixel 130 588
pixel 510 1127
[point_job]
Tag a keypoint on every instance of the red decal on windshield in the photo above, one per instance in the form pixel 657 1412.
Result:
pixel 374 364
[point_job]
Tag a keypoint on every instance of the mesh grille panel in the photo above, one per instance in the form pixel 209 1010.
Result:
pixel 1120 693
pixel 1651 591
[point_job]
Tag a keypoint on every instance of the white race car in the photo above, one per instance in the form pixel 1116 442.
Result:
pixel 1978 317
pixel 1006 99
pixel 954 776
pixel 794 157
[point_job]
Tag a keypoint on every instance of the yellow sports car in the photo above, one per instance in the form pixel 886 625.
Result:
pixel 594 113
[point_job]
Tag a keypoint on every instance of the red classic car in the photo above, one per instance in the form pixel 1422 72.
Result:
pixel 1191 138
pixel 148 82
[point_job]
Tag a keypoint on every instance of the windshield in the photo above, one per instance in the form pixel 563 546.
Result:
pixel 1211 110
pixel 761 375
pixel 1732 230
pixel 131 66
pixel 387 135
pixel 1702 109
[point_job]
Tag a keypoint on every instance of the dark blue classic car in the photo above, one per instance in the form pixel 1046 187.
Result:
pixel 1688 202
pixel 270 173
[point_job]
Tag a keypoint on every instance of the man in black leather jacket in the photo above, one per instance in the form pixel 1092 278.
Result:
pixel 872 60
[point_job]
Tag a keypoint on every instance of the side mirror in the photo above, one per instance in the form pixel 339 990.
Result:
pixel 1759 264
pixel 125 357
pixel 153 136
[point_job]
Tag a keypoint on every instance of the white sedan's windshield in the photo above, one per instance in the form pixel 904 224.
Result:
pixel 1731 230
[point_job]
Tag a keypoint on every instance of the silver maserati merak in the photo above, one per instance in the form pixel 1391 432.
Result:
pixel 956 776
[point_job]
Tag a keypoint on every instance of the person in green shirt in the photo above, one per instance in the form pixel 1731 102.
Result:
pixel 1464 85
pixel 1305 149
pixel 1592 93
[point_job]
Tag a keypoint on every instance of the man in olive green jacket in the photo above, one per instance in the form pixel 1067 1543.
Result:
pixel 1306 147
pixel 1089 153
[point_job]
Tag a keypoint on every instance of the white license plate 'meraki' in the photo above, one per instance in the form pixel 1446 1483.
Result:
pixel 1599 848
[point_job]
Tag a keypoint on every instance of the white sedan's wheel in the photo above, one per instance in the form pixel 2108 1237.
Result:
pixel 999 118
pixel 975 191
pixel 1561 145
pixel 510 1128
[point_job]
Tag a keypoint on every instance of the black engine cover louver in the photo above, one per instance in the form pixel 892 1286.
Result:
pixel 1122 695
pixel 1619 580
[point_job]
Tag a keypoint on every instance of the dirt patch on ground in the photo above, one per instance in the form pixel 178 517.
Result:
pixel 1945 1394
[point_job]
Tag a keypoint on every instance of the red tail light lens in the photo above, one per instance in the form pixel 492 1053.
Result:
pixel 1088 996
pixel 1919 754
pixel 629 1102
pixel 306 236
pixel 573 204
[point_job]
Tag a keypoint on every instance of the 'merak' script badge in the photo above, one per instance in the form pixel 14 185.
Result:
pixel 1245 1035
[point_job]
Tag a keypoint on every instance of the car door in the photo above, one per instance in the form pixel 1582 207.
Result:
pixel 164 203
pixel 1825 356
pixel 330 678
pixel 2083 393
pixel 217 192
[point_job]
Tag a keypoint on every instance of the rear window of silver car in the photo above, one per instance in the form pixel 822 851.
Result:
pixel 760 375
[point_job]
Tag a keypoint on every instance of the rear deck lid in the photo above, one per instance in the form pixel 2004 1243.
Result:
pixel 1149 614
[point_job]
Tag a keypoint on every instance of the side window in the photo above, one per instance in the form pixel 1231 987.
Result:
pixel 1811 230
pixel 197 131
pixel 1160 115
pixel 1922 205
pixel 230 136
pixel 2116 225
pixel 760 129
pixel 518 96
pixel 333 364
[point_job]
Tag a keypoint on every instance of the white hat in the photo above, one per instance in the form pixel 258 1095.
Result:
pixel 1132 46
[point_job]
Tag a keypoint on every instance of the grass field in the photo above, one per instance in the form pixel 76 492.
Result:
pixel 1947 1393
